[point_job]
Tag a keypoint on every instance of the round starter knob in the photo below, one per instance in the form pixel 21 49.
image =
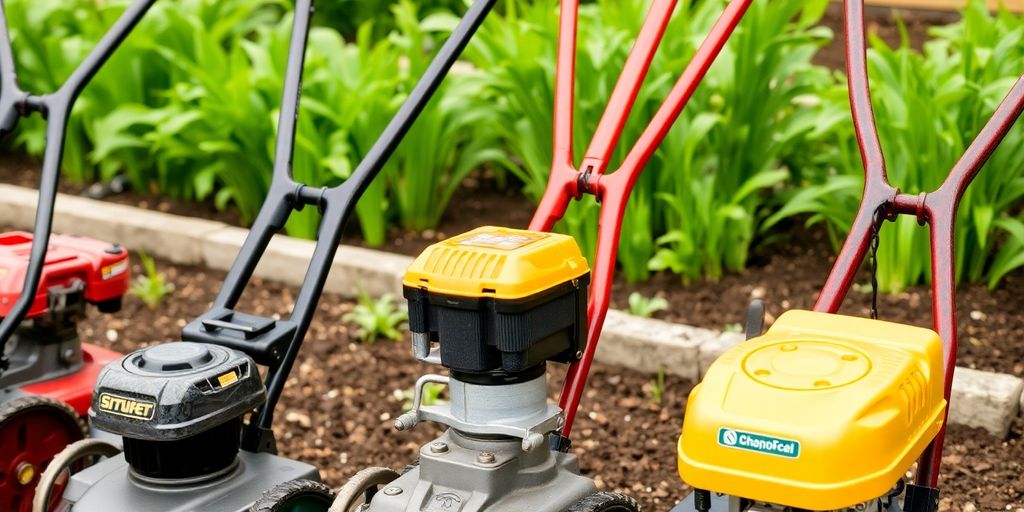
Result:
pixel 171 357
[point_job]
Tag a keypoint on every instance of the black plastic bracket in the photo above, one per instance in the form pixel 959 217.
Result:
pixel 755 319
pixel 258 439
pixel 262 339
pixel 559 443
pixel 919 498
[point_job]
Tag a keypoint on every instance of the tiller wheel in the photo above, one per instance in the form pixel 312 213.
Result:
pixel 32 430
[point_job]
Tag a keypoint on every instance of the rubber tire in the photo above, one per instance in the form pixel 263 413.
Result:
pixel 356 486
pixel 605 501
pixel 78 449
pixel 278 498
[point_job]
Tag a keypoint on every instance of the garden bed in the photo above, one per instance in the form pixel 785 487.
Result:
pixel 786 274
pixel 339 404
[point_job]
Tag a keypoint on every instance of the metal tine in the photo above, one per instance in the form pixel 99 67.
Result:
pixel 614 190
pixel 936 208
pixel 623 97
pixel 56 108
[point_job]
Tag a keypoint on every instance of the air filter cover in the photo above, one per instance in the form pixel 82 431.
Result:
pixel 174 391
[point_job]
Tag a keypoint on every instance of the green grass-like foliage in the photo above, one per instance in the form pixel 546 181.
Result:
pixel 929 107
pixel 152 286
pixel 376 318
pixel 696 209
pixel 646 307
pixel 188 105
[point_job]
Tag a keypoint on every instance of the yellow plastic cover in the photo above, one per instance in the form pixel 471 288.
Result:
pixel 497 262
pixel 822 412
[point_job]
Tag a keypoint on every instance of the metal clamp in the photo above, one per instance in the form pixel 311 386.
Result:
pixel 533 429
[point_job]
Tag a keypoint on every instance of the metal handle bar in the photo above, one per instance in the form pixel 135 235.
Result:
pixel 937 209
pixel 567 183
pixel 55 108
pixel 335 204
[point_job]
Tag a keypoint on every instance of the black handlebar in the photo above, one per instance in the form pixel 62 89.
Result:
pixel 55 108
pixel 276 343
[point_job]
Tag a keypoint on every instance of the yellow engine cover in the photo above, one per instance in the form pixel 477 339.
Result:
pixel 822 412
pixel 502 263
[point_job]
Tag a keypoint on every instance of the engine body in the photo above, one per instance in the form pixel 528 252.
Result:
pixel 821 412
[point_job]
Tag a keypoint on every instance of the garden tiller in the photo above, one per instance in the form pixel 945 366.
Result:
pixel 829 412
pixel 46 372
pixel 495 305
pixel 179 406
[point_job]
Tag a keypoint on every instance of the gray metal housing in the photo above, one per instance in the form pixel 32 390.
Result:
pixel 458 473
pixel 108 486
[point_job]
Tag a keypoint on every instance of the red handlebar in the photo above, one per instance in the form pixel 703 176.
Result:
pixel 567 183
pixel 936 209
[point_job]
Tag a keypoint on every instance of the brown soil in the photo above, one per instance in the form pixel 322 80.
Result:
pixel 789 274
pixel 881 21
pixel 339 404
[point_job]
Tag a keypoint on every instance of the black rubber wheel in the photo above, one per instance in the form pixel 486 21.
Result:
pixel 295 496
pixel 605 501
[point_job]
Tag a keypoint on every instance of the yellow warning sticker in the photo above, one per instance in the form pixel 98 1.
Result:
pixel 115 269
pixel 227 379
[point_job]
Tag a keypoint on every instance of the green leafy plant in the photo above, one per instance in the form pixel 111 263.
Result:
pixel 376 319
pixel 432 393
pixel 658 388
pixel 152 286
pixel 646 306
pixel 454 135
pixel 929 106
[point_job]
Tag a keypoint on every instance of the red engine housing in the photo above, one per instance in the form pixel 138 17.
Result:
pixel 102 269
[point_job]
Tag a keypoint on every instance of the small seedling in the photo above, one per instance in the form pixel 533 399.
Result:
pixel 733 327
pixel 376 319
pixel 152 287
pixel 646 306
pixel 431 396
pixel 658 388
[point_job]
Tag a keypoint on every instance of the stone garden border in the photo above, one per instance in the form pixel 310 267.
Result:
pixel 980 399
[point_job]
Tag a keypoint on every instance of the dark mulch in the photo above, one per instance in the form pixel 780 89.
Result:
pixel 340 402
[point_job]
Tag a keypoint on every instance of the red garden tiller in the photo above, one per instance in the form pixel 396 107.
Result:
pixel 179 406
pixel 46 372
pixel 494 305
pixel 829 412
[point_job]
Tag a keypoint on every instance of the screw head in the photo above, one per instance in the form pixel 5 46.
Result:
pixel 485 458
pixel 438 447
pixel 26 473
pixel 392 491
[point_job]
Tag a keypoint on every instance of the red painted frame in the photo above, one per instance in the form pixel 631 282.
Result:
pixel 937 209
pixel 612 191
